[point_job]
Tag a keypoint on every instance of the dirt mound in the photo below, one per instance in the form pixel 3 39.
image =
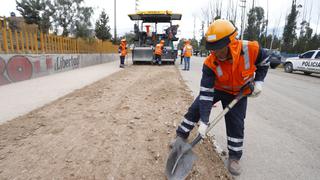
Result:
pixel 116 128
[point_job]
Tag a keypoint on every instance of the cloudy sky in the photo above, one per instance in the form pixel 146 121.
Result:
pixel 191 11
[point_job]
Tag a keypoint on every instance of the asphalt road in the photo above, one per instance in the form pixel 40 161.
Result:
pixel 282 126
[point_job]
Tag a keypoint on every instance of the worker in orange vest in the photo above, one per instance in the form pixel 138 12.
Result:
pixel 122 52
pixel 187 53
pixel 231 64
pixel 158 52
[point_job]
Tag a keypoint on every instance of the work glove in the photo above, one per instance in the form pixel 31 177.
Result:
pixel 257 89
pixel 202 129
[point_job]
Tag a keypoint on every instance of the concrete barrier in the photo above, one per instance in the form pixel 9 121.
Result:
pixel 20 67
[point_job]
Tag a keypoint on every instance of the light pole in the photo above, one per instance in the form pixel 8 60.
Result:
pixel 243 17
pixel 115 21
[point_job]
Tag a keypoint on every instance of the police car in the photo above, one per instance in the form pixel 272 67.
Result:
pixel 308 62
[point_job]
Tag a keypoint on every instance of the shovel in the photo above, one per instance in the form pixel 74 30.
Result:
pixel 181 157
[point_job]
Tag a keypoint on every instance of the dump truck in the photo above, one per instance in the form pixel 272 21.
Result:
pixel 147 36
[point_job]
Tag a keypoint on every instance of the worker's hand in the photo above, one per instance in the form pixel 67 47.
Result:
pixel 202 129
pixel 257 89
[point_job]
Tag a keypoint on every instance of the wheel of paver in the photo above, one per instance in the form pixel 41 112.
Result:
pixel 288 67
pixel 307 73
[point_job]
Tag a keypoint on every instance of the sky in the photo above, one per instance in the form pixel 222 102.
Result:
pixel 191 11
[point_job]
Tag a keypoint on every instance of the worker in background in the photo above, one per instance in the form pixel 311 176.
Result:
pixel 122 52
pixel 231 64
pixel 158 52
pixel 181 54
pixel 187 53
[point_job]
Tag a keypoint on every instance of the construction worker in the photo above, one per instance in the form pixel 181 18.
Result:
pixel 158 52
pixel 181 55
pixel 187 53
pixel 122 52
pixel 231 64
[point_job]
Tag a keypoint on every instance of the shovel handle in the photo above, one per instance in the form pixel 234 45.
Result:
pixel 229 106
pixel 196 140
pixel 225 111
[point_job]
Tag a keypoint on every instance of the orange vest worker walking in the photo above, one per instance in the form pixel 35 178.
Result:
pixel 187 53
pixel 122 52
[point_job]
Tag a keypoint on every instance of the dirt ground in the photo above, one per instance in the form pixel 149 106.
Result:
pixel 116 128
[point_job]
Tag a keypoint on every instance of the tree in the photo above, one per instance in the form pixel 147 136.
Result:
pixel 36 12
pixel 83 23
pixel 72 17
pixel 305 38
pixel 256 24
pixel 30 10
pixel 102 29
pixel 181 43
pixel 194 43
pixel 129 37
pixel 289 32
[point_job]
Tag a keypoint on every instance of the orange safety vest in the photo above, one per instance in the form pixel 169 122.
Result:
pixel 158 49
pixel 123 49
pixel 230 77
pixel 187 50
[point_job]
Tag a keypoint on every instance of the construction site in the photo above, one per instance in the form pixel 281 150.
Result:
pixel 115 103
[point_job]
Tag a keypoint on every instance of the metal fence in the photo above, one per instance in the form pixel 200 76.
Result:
pixel 36 42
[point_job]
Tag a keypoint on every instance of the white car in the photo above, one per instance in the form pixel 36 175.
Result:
pixel 308 62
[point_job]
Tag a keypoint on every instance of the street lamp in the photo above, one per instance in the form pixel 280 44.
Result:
pixel 115 21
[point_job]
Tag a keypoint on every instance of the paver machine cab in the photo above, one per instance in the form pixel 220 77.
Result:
pixel 147 37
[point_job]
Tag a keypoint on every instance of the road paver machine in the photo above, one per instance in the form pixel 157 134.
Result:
pixel 147 35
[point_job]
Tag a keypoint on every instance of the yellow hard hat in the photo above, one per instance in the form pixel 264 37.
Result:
pixel 219 34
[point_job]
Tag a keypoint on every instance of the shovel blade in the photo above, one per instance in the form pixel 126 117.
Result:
pixel 180 162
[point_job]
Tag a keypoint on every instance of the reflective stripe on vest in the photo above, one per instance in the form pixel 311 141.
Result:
pixel 219 71
pixel 158 49
pixel 246 55
pixel 235 88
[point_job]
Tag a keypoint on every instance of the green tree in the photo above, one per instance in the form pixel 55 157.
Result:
pixel 194 43
pixel 72 17
pixel 36 12
pixel 129 37
pixel 83 23
pixel 256 24
pixel 30 10
pixel 289 32
pixel 181 43
pixel 305 38
pixel 102 29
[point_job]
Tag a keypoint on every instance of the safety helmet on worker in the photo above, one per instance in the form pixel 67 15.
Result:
pixel 162 42
pixel 219 34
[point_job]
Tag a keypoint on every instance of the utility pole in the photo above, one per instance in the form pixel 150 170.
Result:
pixel 137 6
pixel 194 26
pixel 243 17
pixel 115 21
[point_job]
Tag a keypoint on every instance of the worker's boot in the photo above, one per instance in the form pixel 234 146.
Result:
pixel 177 141
pixel 234 167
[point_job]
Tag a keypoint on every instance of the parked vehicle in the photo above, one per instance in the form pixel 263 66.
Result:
pixel 308 62
pixel 274 57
